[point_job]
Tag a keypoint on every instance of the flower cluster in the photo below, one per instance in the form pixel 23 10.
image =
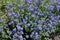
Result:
pixel 29 20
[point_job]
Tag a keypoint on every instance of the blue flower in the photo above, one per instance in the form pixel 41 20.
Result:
pixel 32 15
pixel 24 38
pixel 39 22
pixel 1 28
pixel 22 6
pixel 20 23
pixel 22 10
pixel 21 32
pixel 52 17
pixel 39 27
pixel 33 33
pixel 58 2
pixel 24 21
pixel 6 7
pixel 27 36
pixel 35 8
pixel 50 25
pixel 15 35
pixel 30 8
pixel 26 18
pixel 16 20
pixel 10 4
pixel 47 34
pixel 9 32
pixel 20 36
pixel 14 29
pixel 28 24
pixel 9 14
pixel 35 24
pixel 36 36
pixel 29 1
pixel 13 13
pixel 50 7
pixel 10 23
pixel 1 21
pixel 39 2
pixel 19 28
pixel 58 7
